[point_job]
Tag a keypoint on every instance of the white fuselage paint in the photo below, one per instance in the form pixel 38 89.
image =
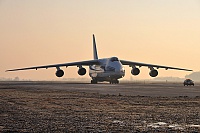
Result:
pixel 107 70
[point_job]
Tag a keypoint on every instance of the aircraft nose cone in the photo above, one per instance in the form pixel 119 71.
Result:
pixel 119 72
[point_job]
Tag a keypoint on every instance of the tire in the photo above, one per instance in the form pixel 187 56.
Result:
pixel 93 81
pixel 114 82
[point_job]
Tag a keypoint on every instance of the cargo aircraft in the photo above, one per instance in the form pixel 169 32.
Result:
pixel 105 69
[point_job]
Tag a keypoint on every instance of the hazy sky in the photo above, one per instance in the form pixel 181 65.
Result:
pixel 41 32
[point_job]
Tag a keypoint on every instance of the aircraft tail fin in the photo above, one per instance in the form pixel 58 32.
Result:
pixel 94 48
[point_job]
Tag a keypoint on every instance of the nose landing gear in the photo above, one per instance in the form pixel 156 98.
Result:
pixel 114 82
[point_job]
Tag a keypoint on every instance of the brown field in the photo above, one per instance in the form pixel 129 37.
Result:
pixel 82 107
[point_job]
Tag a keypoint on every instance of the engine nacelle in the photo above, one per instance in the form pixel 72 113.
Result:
pixel 135 71
pixel 153 73
pixel 59 73
pixel 82 71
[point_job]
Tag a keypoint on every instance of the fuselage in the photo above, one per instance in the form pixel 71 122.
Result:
pixel 109 69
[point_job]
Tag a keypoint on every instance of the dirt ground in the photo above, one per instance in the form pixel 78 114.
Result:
pixel 34 109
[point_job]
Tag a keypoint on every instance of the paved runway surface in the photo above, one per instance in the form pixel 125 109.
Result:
pixel 131 89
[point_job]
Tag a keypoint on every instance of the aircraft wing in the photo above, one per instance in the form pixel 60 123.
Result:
pixel 130 63
pixel 80 63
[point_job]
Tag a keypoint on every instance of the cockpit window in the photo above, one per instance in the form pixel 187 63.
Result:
pixel 114 59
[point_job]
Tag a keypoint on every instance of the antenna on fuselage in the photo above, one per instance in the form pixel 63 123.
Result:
pixel 94 48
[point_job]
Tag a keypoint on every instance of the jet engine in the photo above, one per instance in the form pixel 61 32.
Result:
pixel 82 71
pixel 153 73
pixel 59 73
pixel 135 71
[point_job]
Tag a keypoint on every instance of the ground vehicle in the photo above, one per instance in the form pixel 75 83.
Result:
pixel 188 82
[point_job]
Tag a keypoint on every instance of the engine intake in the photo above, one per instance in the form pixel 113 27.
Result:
pixel 135 71
pixel 81 71
pixel 153 73
pixel 59 73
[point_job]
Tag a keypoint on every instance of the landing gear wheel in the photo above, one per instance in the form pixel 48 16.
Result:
pixel 93 81
pixel 114 82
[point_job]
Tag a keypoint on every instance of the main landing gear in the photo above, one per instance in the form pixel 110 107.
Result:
pixel 114 82
pixel 93 81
